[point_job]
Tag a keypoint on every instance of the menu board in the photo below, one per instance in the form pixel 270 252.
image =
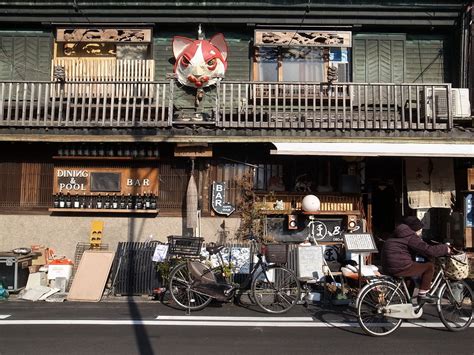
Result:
pixel 310 262
pixel 359 242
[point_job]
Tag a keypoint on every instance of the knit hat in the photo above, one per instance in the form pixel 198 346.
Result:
pixel 414 223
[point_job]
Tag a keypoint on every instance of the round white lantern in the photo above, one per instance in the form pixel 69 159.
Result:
pixel 311 203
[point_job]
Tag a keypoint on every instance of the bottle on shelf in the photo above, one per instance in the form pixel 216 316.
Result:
pixel 107 201
pixel 99 203
pixel 83 201
pixel 90 202
pixel 56 200
pixel 122 203
pixel 62 201
pixel 76 203
pixel 68 200
pixel 138 202
pixel 129 202
pixel 147 201
pixel 153 202
pixel 115 203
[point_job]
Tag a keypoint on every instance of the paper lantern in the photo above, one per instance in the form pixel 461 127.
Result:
pixel 311 203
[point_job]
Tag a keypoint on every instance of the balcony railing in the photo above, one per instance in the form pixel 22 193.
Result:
pixel 249 105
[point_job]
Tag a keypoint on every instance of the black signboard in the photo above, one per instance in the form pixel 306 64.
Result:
pixel 326 229
pixel 219 203
pixel 105 182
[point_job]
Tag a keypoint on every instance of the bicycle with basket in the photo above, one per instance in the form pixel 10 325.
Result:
pixel 383 304
pixel 193 284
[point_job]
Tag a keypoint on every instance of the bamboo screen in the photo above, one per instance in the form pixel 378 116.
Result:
pixel 26 185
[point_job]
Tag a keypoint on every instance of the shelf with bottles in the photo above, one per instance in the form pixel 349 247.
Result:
pixel 105 202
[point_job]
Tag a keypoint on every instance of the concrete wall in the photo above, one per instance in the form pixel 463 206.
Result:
pixel 62 233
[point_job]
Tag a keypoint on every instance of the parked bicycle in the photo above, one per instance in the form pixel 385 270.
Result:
pixel 384 303
pixel 193 285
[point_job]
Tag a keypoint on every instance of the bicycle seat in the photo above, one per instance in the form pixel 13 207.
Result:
pixel 214 249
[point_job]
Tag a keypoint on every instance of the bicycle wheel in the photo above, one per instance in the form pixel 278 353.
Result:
pixel 371 308
pixel 181 290
pixel 276 290
pixel 455 306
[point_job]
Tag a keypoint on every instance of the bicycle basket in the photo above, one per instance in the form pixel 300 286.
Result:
pixel 184 245
pixel 276 253
pixel 456 267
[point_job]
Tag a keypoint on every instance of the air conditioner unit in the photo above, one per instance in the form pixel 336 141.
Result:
pixel 461 105
pixel 440 103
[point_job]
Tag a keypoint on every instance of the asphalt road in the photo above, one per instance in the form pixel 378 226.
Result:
pixel 153 328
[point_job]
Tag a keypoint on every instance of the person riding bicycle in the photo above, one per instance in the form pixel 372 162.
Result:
pixel 399 251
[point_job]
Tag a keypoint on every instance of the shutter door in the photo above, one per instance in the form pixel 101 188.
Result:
pixel 25 56
pixel 238 61
pixel 425 61
pixel 379 60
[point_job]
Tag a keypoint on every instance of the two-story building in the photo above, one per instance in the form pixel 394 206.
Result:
pixel 364 104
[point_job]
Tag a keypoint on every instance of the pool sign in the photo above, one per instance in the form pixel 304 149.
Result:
pixel 219 203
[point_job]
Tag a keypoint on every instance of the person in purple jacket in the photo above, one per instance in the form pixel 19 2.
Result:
pixel 399 251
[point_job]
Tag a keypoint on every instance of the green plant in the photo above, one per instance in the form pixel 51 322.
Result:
pixel 163 269
pixel 251 222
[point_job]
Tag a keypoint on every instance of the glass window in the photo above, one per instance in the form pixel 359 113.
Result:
pixel 267 59
pixel 302 64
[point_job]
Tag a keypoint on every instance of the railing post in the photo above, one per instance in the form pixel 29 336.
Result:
pixel 449 106
pixel 170 103
pixel 217 104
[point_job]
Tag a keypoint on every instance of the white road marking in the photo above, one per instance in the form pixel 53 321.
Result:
pixel 216 323
pixel 4 316
pixel 239 319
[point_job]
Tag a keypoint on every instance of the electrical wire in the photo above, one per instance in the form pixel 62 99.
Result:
pixel 306 12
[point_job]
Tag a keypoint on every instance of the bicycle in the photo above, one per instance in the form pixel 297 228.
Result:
pixel 383 304
pixel 193 284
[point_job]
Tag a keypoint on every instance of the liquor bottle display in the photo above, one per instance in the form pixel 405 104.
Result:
pixel 145 201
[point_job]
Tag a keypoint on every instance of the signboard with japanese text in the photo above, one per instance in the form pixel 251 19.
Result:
pixel 326 229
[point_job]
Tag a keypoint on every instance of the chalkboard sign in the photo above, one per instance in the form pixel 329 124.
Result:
pixel 105 182
pixel 310 262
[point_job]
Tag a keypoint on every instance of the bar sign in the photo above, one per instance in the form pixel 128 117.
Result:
pixel 219 203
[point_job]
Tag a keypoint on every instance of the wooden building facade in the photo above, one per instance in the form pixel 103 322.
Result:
pixel 90 111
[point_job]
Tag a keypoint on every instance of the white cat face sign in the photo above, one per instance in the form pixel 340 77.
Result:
pixel 200 63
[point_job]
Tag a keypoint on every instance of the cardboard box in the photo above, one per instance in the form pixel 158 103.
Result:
pixel 41 253
pixel 55 271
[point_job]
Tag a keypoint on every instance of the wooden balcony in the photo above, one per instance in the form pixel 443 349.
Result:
pixel 246 105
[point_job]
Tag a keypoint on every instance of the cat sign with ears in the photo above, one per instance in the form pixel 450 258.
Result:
pixel 200 63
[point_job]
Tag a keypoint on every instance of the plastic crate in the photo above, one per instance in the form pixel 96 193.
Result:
pixel 184 245
pixel 276 253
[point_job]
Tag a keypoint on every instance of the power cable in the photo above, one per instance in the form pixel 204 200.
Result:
pixel 306 12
